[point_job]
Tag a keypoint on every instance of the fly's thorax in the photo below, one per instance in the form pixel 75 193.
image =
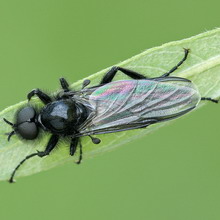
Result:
pixel 62 117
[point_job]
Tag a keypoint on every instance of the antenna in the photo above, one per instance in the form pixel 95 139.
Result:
pixel 12 132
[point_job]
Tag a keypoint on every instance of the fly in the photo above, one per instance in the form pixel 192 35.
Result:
pixel 111 106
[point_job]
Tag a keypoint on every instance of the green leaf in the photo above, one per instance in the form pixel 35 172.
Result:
pixel 202 67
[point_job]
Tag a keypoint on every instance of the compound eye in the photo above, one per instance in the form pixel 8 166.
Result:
pixel 28 130
pixel 25 114
pixel 26 126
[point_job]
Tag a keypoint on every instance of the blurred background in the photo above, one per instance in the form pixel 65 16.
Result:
pixel 172 174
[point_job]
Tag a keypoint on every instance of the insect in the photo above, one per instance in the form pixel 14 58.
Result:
pixel 111 106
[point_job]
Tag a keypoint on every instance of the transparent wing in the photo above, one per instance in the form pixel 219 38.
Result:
pixel 126 104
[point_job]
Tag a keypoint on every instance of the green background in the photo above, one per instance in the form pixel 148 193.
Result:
pixel 172 174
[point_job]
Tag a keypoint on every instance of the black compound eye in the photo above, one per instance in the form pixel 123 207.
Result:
pixel 28 130
pixel 26 126
pixel 25 114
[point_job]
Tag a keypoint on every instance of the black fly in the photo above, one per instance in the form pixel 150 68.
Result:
pixel 105 108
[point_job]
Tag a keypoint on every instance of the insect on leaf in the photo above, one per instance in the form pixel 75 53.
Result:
pixel 202 67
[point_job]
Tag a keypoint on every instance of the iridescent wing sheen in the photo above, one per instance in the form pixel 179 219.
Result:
pixel 123 105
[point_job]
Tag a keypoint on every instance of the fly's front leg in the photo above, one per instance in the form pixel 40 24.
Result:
pixel 50 146
pixel 112 72
pixel 186 52
pixel 41 95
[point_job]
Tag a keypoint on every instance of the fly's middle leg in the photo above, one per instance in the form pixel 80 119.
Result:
pixel 80 153
pixel 186 52
pixel 73 146
pixel 64 84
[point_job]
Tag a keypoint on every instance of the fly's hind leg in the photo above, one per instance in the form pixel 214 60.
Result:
pixel 112 72
pixel 134 75
pixel 65 85
pixel 209 99
pixel 186 52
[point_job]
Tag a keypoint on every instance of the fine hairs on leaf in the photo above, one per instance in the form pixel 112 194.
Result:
pixel 202 67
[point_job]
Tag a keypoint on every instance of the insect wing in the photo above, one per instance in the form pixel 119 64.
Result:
pixel 125 104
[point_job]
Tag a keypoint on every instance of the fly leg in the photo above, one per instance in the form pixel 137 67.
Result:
pixel 64 85
pixel 134 75
pixel 80 153
pixel 73 146
pixel 209 99
pixel 112 72
pixel 186 51
pixel 41 95
pixel 50 146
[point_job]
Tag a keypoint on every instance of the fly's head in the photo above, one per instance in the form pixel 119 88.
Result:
pixel 26 124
